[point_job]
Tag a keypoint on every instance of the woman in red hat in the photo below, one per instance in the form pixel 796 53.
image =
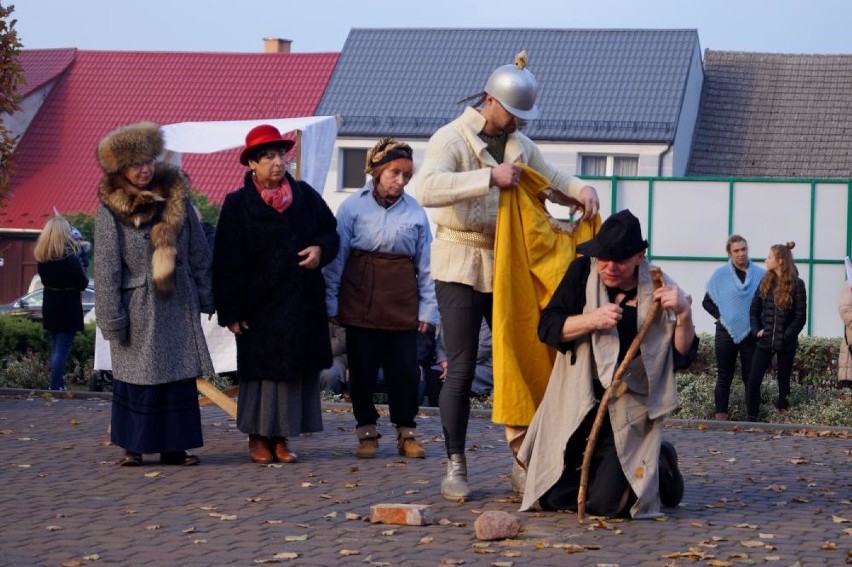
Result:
pixel 274 236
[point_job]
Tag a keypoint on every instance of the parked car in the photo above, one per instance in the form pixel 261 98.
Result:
pixel 29 306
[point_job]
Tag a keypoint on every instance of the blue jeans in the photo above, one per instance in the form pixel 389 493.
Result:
pixel 60 347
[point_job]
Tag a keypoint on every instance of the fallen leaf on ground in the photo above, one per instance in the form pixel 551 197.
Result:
pixel 692 553
pixel 576 547
pixel 347 552
pixel 828 546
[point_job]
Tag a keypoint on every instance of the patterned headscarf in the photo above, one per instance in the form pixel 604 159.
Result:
pixel 387 150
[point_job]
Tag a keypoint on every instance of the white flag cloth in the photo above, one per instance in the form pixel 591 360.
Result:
pixel 317 140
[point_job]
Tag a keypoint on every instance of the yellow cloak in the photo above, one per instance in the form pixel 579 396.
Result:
pixel 532 251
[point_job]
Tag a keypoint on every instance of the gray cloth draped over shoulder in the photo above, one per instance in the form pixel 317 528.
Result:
pixel 636 417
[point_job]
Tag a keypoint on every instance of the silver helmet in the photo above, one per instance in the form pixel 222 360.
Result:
pixel 515 87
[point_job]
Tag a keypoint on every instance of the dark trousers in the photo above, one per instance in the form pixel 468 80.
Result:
pixel 395 352
pixel 726 359
pixel 462 309
pixel 607 483
pixel 760 364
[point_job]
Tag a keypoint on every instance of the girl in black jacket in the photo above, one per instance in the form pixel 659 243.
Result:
pixel 63 277
pixel 778 314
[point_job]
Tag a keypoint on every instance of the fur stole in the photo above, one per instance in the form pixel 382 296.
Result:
pixel 162 204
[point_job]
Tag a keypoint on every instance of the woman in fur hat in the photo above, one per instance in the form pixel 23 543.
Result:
pixel 152 275
pixel 274 236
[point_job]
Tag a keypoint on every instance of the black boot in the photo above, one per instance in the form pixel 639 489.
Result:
pixel 671 481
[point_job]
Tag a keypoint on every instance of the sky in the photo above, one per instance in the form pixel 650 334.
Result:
pixel 773 26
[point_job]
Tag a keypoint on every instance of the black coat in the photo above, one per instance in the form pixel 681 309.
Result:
pixel 257 279
pixel 63 280
pixel 781 327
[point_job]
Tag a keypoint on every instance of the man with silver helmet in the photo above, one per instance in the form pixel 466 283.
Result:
pixel 466 165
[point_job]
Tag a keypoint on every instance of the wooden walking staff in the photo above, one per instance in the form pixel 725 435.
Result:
pixel 615 390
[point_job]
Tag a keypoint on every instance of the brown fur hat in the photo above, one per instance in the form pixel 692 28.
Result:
pixel 135 143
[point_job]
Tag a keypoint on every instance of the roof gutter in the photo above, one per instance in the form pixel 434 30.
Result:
pixel 661 158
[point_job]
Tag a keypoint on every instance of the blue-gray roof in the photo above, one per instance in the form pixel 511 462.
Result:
pixel 774 115
pixel 594 85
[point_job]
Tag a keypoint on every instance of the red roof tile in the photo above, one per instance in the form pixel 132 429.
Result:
pixel 55 160
pixel 41 66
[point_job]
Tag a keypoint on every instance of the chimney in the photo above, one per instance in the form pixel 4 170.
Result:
pixel 276 45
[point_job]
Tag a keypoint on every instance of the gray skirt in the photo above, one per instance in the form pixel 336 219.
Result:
pixel 279 409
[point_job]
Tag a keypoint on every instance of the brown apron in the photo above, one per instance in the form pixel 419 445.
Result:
pixel 379 291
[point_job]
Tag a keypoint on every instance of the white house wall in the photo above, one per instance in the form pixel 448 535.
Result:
pixel 18 122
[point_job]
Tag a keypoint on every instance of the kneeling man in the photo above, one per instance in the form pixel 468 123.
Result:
pixel 592 319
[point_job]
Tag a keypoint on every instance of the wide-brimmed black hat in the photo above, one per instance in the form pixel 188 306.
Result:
pixel 620 237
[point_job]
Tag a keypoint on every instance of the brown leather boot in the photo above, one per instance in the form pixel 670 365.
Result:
pixel 368 441
pixel 282 452
pixel 721 416
pixel 259 449
pixel 408 445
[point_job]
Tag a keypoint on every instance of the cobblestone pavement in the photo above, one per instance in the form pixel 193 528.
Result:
pixel 753 496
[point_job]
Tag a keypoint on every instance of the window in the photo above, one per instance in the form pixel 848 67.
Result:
pixel 609 165
pixel 625 166
pixel 593 165
pixel 352 172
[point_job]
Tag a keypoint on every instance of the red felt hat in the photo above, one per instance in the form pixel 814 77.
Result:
pixel 263 135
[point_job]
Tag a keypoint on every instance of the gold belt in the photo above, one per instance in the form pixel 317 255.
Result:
pixel 466 237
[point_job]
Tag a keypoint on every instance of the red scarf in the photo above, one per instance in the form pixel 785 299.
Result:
pixel 279 198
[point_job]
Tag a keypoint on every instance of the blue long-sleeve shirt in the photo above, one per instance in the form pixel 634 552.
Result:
pixel 402 228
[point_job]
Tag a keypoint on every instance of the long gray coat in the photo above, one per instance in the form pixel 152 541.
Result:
pixel 153 340
pixel 636 416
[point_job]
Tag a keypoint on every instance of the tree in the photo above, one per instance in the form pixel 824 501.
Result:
pixel 11 77
pixel 209 211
